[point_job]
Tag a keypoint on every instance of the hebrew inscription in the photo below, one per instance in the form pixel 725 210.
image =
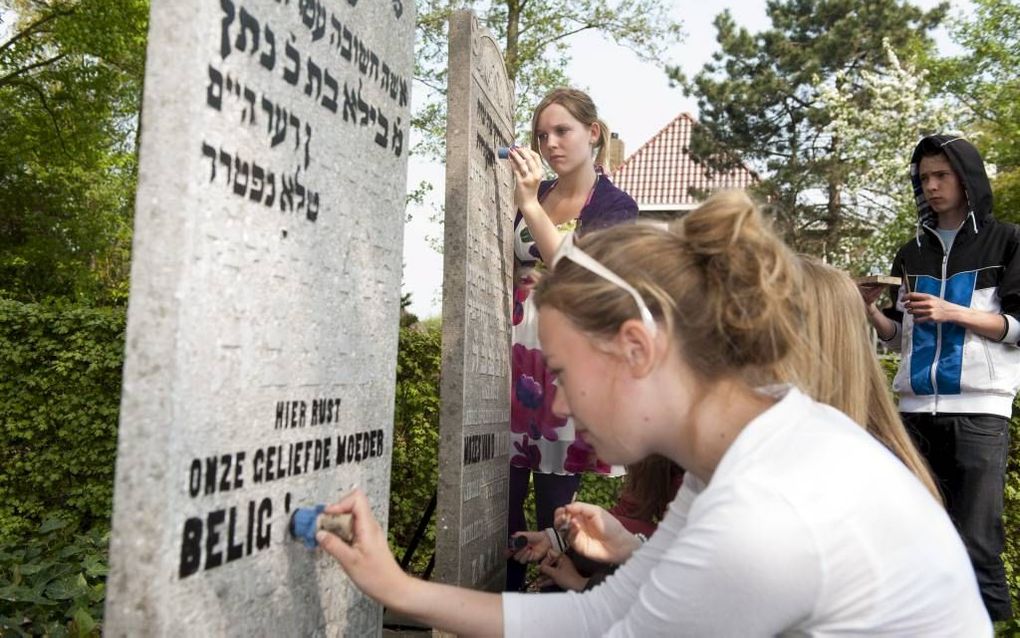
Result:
pixel 262 323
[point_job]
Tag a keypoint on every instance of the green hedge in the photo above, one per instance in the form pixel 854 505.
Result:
pixel 54 583
pixel 1011 521
pixel 415 439
pixel 60 371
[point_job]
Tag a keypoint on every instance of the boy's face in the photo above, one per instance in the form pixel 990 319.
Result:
pixel 941 186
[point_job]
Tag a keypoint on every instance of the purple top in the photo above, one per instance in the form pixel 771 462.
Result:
pixel 607 206
pixel 540 440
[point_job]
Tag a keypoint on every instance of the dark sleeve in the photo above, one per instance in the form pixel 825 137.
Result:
pixel 1009 285
pixel 894 292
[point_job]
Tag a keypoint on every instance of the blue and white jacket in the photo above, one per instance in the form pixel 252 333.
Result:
pixel 946 368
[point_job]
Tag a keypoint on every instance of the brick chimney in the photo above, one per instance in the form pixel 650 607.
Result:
pixel 616 152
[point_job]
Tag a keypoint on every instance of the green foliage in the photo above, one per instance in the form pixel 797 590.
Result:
pixel 70 88
pixel 60 371
pixel 1006 195
pixel 60 376
pixel 1011 522
pixel 762 99
pixel 534 39
pixel 984 80
pixel 414 471
pixel 54 582
pixel 599 489
pixel 984 87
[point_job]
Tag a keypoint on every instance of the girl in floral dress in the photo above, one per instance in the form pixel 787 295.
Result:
pixel 568 135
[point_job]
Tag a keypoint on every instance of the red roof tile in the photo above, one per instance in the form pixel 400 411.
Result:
pixel 662 171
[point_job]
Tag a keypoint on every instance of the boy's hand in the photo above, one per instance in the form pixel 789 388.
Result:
pixel 929 308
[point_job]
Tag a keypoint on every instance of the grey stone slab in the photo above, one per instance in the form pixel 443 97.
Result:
pixel 263 317
pixel 471 531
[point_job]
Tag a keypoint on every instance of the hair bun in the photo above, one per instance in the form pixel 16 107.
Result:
pixel 717 226
pixel 747 273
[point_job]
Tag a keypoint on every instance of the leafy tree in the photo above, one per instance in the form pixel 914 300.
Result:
pixel 985 88
pixel 767 98
pixel 878 140
pixel 70 88
pixel 534 35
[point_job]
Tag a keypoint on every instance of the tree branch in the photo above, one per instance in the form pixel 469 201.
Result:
pixel 435 87
pixel 34 27
pixel 544 43
pixel 9 78
pixel 46 107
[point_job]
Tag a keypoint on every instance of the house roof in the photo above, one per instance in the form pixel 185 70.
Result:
pixel 662 171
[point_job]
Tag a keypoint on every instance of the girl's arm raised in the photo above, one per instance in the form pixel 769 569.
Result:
pixel 527 167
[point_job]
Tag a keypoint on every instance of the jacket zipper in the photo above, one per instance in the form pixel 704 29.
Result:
pixel 988 359
pixel 938 326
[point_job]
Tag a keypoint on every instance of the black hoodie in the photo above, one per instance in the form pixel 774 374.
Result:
pixel 943 364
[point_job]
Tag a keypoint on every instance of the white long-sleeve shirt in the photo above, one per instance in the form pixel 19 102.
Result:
pixel 808 527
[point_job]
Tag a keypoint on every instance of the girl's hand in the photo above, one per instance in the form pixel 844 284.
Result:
pixel 538 547
pixel 528 173
pixel 367 559
pixel 596 534
pixel 561 570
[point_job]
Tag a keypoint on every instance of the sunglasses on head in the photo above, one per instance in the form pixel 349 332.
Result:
pixel 570 250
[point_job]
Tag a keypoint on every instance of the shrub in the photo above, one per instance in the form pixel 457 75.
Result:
pixel 60 370
pixel 415 439
pixel 54 583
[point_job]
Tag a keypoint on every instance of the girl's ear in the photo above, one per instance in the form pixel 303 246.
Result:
pixel 595 133
pixel 637 347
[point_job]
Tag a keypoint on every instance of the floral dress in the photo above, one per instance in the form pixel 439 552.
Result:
pixel 542 441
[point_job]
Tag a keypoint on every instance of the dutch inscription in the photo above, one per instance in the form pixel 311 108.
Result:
pixel 226 534
pixel 259 370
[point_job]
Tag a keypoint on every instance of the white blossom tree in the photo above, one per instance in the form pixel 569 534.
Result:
pixel 876 142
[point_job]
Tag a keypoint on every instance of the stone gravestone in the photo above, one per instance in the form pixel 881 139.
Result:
pixel 471 532
pixel 263 317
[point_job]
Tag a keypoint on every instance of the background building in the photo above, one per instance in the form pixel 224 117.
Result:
pixel 665 179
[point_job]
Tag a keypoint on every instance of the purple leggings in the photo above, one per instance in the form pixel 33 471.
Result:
pixel 551 491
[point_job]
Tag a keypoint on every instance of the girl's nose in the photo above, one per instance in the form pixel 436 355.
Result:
pixel 559 404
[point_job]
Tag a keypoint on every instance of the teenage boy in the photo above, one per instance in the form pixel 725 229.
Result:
pixel 956 322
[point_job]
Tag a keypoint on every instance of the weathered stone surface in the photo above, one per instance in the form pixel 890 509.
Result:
pixel 263 318
pixel 477 287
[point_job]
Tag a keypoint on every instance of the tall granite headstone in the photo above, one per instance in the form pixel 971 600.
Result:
pixel 263 317
pixel 471 532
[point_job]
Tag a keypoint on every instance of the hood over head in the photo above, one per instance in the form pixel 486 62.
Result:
pixel 969 167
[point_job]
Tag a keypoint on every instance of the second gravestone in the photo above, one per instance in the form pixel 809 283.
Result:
pixel 471 532
pixel 263 317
